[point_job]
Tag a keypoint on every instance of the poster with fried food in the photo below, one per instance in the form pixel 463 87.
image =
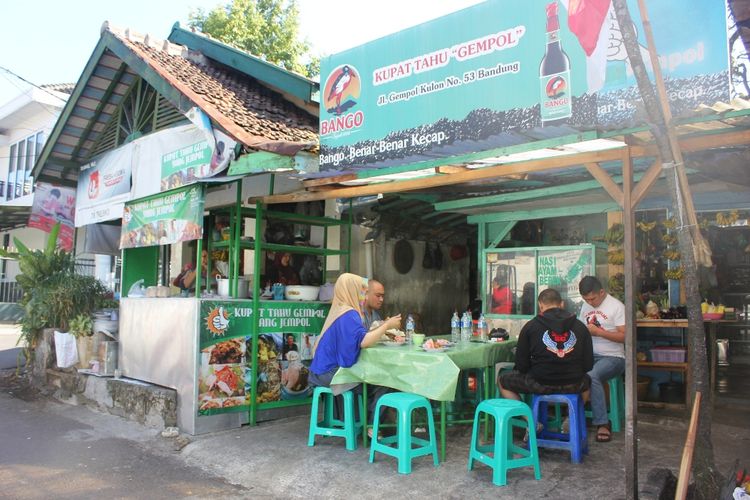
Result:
pixel 269 367
pixel 221 389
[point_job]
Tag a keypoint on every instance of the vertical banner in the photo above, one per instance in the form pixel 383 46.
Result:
pixel 54 204
pixel 163 219
pixel 104 186
pixel 287 333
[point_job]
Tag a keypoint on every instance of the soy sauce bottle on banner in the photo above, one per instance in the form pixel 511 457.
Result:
pixel 554 75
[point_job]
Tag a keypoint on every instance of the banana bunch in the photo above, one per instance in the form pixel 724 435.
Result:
pixel 669 239
pixel 672 254
pixel 669 223
pixel 616 257
pixel 615 235
pixel 646 226
pixel 674 274
pixel 723 219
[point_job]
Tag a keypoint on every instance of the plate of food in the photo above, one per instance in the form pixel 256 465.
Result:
pixel 436 345
pixel 393 337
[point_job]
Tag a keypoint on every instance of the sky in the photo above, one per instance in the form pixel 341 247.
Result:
pixel 49 41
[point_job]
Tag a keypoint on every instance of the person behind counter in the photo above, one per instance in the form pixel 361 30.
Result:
pixel 554 353
pixel 373 303
pixel 343 336
pixel 285 272
pixel 186 279
pixel 502 295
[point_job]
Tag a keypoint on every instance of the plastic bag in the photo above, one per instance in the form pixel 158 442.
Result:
pixel 137 289
pixel 65 349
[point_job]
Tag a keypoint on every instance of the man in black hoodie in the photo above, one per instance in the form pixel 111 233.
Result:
pixel 553 355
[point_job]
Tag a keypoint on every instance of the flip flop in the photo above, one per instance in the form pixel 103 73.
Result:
pixel 604 437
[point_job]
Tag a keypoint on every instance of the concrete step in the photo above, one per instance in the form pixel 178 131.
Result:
pixel 147 404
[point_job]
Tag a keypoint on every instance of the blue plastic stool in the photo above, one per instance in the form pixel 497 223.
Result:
pixel 508 413
pixel 616 413
pixel 575 440
pixel 404 404
pixel 349 428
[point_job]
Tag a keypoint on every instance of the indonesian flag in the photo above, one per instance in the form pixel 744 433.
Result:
pixel 590 21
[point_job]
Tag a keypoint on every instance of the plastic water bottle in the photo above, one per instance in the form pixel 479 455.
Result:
pixel 482 328
pixel 455 328
pixel 409 328
pixel 465 327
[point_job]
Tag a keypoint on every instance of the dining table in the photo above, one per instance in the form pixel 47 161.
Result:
pixel 433 374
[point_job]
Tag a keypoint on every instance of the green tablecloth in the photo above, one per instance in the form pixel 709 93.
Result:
pixel 433 375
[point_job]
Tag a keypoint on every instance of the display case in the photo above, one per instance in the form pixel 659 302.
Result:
pixel 513 277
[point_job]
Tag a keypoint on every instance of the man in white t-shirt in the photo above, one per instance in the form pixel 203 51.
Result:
pixel 604 316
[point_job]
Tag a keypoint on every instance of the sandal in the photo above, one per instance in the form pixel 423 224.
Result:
pixel 604 433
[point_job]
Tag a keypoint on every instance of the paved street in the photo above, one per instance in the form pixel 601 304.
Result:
pixel 49 450
pixel 52 450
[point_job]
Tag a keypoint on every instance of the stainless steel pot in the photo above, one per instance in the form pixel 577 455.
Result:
pixel 222 287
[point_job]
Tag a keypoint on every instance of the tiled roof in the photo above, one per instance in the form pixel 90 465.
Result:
pixel 256 115
pixel 65 88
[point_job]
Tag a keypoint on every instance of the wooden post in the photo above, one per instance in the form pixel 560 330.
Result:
pixel 683 480
pixel 631 366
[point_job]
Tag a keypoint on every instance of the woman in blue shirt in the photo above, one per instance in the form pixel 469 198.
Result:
pixel 343 336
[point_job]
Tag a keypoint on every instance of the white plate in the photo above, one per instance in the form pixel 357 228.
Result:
pixel 439 349
pixel 392 344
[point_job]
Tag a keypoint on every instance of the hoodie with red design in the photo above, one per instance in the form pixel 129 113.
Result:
pixel 555 348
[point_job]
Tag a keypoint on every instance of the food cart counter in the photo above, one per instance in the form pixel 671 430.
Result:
pixel 203 348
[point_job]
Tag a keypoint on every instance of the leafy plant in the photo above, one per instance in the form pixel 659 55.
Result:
pixel 53 294
pixel 81 326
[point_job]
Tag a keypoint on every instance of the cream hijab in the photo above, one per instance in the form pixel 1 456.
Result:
pixel 347 293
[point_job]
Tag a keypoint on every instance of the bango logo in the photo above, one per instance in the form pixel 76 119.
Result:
pixel 340 95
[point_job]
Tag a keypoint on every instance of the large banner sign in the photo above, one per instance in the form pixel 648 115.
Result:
pixel 465 82
pixel 163 219
pixel 104 186
pixel 53 204
pixel 287 333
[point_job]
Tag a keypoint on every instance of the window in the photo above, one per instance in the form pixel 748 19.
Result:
pixel 514 277
pixel 23 156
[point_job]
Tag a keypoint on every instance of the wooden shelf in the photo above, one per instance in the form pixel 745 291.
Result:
pixel 677 367
pixel 664 323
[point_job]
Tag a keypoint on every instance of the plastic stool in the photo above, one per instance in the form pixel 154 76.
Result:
pixel 349 428
pixel 508 413
pixel 404 404
pixel 575 440
pixel 616 413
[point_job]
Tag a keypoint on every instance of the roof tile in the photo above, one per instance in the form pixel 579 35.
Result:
pixel 253 107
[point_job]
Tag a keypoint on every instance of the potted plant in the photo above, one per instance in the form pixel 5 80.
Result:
pixel 53 294
pixel 81 327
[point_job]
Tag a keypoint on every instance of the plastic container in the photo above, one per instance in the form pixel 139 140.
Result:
pixel 668 354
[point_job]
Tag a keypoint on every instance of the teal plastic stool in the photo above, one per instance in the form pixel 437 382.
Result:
pixel 500 455
pixel 404 404
pixel 349 428
pixel 616 412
